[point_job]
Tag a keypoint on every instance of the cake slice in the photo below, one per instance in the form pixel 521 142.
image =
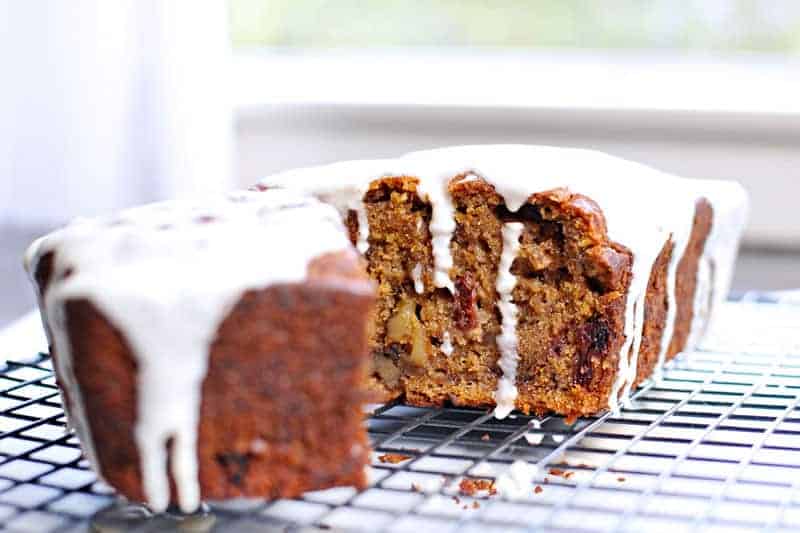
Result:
pixel 532 278
pixel 202 350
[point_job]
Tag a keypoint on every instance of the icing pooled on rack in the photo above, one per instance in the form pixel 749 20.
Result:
pixel 165 276
pixel 644 210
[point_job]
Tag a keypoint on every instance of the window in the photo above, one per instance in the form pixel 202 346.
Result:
pixel 724 26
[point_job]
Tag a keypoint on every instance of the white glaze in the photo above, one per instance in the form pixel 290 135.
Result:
pixel 506 393
pixel 166 276
pixel 534 439
pixel 517 481
pixel 416 276
pixel 701 304
pixel 447 344
pixel 54 323
pixel 442 225
pixel 731 207
pixel 643 208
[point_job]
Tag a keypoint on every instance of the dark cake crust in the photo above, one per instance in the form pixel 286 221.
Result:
pixel 281 402
pixel 686 280
pixel 655 314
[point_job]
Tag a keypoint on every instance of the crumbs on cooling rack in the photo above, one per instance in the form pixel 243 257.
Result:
pixel 578 465
pixel 621 479
pixel 485 437
pixel 475 504
pixel 469 487
pixel 393 458
pixel 537 489
pixel 566 474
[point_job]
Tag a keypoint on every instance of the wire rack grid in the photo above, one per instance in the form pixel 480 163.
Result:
pixel 711 444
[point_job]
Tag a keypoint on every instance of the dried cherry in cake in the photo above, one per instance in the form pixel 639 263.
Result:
pixel 465 308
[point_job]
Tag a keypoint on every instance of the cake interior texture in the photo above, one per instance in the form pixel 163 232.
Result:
pixel 501 285
pixel 435 347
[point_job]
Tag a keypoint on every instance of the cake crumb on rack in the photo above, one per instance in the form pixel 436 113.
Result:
pixel 393 458
pixel 469 487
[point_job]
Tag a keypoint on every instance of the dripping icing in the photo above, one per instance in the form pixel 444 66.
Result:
pixel 506 392
pixel 442 225
pixel 54 320
pixel 416 276
pixel 447 344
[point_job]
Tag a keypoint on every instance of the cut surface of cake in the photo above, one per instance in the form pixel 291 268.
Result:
pixel 530 277
pixel 201 348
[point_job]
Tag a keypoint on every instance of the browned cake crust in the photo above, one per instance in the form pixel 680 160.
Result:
pixel 655 314
pixel 282 400
pixel 686 280
pixel 572 282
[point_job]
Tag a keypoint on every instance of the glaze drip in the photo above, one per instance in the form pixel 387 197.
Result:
pixel 506 392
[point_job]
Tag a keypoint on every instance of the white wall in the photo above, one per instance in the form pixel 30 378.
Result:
pixel 111 103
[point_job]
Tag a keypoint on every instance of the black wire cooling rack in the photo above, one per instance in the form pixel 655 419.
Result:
pixel 711 444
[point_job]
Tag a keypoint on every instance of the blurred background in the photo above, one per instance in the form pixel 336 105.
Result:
pixel 109 103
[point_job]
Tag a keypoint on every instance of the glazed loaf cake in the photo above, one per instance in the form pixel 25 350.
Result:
pixel 535 278
pixel 202 350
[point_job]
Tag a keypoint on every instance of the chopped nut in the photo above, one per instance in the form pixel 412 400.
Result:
pixel 469 487
pixel 405 328
pixel 538 489
pixel 387 370
pixel 465 312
